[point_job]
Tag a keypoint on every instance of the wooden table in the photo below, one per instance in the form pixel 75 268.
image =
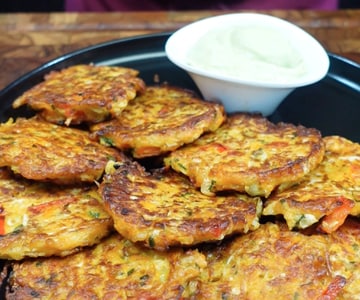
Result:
pixel 28 40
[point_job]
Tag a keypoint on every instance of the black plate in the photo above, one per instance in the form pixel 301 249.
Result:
pixel 331 105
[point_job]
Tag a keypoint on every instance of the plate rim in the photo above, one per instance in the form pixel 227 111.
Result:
pixel 149 49
pixel 336 61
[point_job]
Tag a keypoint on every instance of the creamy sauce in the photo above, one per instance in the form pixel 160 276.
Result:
pixel 252 53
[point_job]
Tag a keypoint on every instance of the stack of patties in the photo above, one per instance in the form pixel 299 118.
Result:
pixel 49 200
pixel 327 195
pixel 271 262
pixel 190 227
pixel 50 204
pixel 50 160
pixel 275 263
pixel 162 208
pixel 167 208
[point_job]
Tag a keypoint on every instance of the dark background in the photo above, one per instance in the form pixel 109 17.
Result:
pixel 31 6
pixel 58 5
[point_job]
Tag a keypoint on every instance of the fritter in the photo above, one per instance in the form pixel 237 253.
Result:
pixel 43 151
pixel 163 209
pixel 114 269
pixel 275 263
pixel 249 154
pixel 346 251
pixel 329 193
pixel 38 219
pixel 269 263
pixel 83 93
pixel 160 120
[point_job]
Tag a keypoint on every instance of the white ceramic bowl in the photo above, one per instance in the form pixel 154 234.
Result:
pixel 249 88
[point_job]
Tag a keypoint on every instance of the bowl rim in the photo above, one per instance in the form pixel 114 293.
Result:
pixel 204 25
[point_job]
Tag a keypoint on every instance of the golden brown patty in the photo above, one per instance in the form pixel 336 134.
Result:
pixel 345 250
pixel 114 269
pixel 44 151
pixel 160 120
pixel 39 219
pixel 164 209
pixel 248 153
pixel 83 93
pixel 269 263
pixel 331 190
pixel 275 263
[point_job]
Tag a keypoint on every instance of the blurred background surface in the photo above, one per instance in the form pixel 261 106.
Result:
pixel 8 6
